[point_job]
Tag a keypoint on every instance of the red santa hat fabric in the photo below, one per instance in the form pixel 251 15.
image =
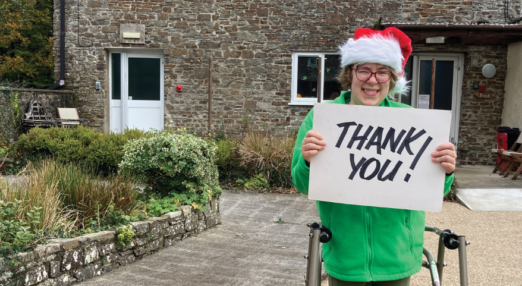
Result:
pixel 390 47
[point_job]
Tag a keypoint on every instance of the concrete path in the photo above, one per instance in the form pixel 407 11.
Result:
pixel 481 190
pixel 248 248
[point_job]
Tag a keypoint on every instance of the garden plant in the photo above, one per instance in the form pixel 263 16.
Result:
pixel 78 181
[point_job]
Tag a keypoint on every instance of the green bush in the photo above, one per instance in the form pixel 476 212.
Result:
pixel 173 163
pixel 125 235
pixel 64 144
pixel 160 206
pixel 102 153
pixel 16 233
pixel 225 153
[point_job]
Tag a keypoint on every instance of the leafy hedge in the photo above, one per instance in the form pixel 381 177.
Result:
pixel 100 152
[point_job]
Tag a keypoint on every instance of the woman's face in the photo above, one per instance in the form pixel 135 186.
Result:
pixel 369 92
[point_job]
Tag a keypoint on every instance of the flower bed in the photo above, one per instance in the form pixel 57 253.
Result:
pixel 65 261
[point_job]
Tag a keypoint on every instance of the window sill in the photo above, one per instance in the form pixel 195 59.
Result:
pixel 310 103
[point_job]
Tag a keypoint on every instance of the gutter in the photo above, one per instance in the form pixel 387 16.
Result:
pixel 62 47
pixel 449 27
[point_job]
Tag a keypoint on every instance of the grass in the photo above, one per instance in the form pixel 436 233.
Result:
pixel 36 192
pixel 69 196
pixel 88 194
pixel 270 156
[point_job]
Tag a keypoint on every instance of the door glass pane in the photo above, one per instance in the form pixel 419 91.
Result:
pixel 443 82
pixel 406 98
pixel 144 79
pixel 307 71
pixel 116 76
pixel 332 67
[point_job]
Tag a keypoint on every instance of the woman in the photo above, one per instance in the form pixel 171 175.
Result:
pixel 370 245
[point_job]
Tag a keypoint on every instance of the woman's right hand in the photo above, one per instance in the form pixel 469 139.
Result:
pixel 312 144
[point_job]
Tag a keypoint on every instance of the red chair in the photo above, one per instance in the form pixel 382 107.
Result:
pixel 506 162
pixel 502 143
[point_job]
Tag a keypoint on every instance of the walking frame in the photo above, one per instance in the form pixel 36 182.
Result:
pixel 447 239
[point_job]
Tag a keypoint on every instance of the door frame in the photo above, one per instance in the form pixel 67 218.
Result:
pixel 125 54
pixel 457 86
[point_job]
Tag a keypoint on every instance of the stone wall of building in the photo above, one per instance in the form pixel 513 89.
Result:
pixel 66 261
pixel 251 43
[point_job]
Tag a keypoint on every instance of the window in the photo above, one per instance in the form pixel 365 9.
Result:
pixel 313 75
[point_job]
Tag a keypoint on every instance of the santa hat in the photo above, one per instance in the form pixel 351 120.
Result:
pixel 390 47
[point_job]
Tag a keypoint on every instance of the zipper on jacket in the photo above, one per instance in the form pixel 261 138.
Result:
pixel 369 243
pixel 410 234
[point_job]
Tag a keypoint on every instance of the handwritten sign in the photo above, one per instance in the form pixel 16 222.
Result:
pixel 377 156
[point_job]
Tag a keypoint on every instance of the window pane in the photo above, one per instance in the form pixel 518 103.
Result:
pixel 443 82
pixel 307 71
pixel 116 76
pixel 144 79
pixel 332 67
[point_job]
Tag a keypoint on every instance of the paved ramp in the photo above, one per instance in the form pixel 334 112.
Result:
pixel 248 248
pixel 509 200
pixel 479 189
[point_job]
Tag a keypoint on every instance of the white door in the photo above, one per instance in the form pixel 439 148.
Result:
pixel 448 85
pixel 137 94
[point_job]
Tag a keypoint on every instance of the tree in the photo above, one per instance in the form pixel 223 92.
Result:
pixel 26 42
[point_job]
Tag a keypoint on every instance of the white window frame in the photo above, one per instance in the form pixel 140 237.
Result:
pixel 307 101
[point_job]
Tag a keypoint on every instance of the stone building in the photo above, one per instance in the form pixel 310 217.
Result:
pixel 266 56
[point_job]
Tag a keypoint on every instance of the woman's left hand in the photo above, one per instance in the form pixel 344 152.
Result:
pixel 447 157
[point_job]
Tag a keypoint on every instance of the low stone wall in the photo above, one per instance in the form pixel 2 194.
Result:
pixel 66 261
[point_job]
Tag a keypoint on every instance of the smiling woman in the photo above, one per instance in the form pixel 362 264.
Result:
pixel 369 243
pixel 371 83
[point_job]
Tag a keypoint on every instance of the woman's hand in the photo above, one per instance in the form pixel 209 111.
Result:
pixel 312 144
pixel 447 157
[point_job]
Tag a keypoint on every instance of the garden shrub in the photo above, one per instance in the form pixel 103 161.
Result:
pixel 160 206
pixel 15 233
pixel 106 153
pixel 225 153
pixel 102 153
pixel 173 162
pixel 267 155
pixel 63 144
pixel 125 235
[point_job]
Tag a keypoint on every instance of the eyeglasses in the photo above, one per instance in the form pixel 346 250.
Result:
pixel 364 74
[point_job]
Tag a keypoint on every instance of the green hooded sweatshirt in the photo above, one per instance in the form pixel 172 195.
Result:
pixel 368 243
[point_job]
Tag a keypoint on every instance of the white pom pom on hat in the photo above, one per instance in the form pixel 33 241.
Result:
pixel 390 47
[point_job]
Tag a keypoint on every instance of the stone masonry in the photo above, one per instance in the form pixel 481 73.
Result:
pixel 66 261
pixel 251 42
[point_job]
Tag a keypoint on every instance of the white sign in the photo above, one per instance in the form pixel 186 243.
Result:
pixel 378 156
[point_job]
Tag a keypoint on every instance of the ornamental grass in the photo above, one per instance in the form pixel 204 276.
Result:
pixel 34 192
pixel 268 155
pixel 89 195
